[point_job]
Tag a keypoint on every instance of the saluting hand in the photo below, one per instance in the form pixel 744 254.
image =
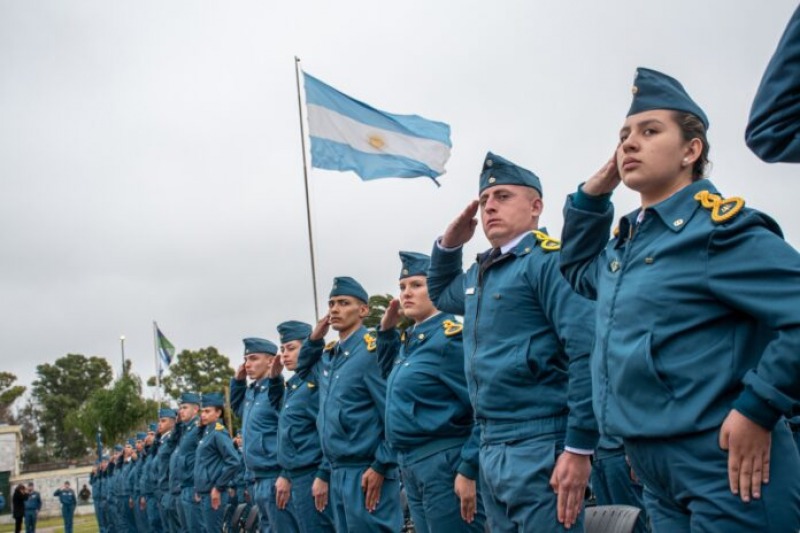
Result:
pixel 321 329
pixel 241 373
pixel 319 490
pixel 392 315
pixel 371 483
pixel 569 480
pixel 283 491
pixel 275 368
pixel 748 446
pixel 466 491
pixel 605 180
pixel 461 230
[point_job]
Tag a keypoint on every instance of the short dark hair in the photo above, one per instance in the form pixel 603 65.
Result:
pixel 692 128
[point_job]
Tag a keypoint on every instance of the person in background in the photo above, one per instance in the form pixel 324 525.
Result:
pixel 33 504
pixel 18 506
pixel 68 501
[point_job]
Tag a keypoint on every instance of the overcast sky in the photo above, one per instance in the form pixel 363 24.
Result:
pixel 150 160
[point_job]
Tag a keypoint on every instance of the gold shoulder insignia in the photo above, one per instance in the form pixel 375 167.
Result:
pixel 616 231
pixel 329 346
pixel 721 210
pixel 451 328
pixel 403 336
pixel 370 340
pixel 219 427
pixel 548 243
pixel 310 384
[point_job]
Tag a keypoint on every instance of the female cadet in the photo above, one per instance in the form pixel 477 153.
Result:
pixel 698 325
pixel 216 463
pixel 303 473
pixel 429 419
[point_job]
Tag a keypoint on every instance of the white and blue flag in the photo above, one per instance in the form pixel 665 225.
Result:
pixel 350 135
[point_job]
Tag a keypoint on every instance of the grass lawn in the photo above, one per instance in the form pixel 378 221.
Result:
pixel 82 524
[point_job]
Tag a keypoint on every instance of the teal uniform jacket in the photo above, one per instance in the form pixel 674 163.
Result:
pixel 161 463
pixel 216 461
pixel 695 315
pixel 34 502
pixel 298 440
pixel 532 362
pixel 148 481
pixel 352 400
pixel 123 485
pixel 427 403
pixel 134 477
pixel 175 459
pixel 773 132
pixel 184 454
pixel 66 497
pixel 258 406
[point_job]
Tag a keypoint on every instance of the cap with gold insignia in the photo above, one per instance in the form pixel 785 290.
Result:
pixel 213 399
pixel 414 264
pixel 257 345
pixel 500 171
pixel 293 330
pixel 347 286
pixel 655 90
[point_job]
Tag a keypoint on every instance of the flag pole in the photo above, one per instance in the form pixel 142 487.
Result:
pixel 305 181
pixel 158 364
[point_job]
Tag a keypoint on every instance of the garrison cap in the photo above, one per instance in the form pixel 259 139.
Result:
pixel 118 447
pixel 141 435
pixel 213 399
pixel 166 412
pixel 190 397
pixel 655 90
pixel 131 441
pixel 256 345
pixel 293 330
pixel 346 286
pixel 153 427
pixel 414 264
pixel 501 171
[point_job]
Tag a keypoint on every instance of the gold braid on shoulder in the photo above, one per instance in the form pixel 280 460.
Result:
pixel 721 210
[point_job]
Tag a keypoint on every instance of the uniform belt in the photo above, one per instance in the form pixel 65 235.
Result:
pixel 495 431
pixel 352 461
pixel 266 472
pixel 414 455
pixel 297 472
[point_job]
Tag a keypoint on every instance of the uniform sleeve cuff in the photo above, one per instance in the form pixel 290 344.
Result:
pixel 756 409
pixel 468 470
pixel 581 439
pixel 324 475
pixel 379 467
pixel 587 202
pixel 445 248
pixel 578 451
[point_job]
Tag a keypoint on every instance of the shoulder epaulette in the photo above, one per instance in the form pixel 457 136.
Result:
pixel 616 231
pixel 452 328
pixel 546 242
pixel 310 384
pixel 370 340
pixel 329 346
pixel 219 427
pixel 721 210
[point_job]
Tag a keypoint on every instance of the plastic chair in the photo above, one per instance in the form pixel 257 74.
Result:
pixel 610 518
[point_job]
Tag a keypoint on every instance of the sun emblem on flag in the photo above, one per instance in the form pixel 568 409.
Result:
pixel 376 141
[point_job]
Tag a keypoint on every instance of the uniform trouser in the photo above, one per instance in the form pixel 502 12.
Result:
pixel 612 484
pixel 98 515
pixel 190 511
pixel 67 513
pixel 30 521
pixel 139 514
pixel 169 513
pixel 687 489
pixel 433 504
pixel 515 482
pixel 349 505
pixel 212 518
pixel 265 500
pixel 152 514
pixel 128 514
pixel 300 514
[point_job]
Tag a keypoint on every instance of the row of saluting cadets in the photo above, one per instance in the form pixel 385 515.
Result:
pixel 671 349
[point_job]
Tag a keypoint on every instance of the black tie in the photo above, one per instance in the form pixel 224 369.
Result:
pixel 489 258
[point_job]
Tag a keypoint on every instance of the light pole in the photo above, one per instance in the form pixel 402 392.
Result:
pixel 122 348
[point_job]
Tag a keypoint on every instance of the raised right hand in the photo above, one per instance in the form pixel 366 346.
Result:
pixel 241 373
pixel 392 315
pixel 461 230
pixel 321 329
pixel 605 180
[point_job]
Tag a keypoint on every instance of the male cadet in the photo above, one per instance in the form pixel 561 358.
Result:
pixel 95 482
pixel 134 482
pixel 32 507
pixel 182 464
pixel 364 486
pixel 113 474
pixel 148 482
pixel 527 338
pixel 299 450
pixel 257 405
pixel 166 445
pixel 123 488
pixel 66 496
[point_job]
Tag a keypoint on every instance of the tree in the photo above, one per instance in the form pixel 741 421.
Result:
pixel 33 452
pixel 204 370
pixel 9 393
pixel 118 411
pixel 61 388
pixel 377 307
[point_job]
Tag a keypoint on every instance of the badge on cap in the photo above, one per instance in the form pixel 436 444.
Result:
pixel 492 179
pixel 489 162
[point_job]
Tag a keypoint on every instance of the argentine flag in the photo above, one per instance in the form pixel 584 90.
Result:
pixel 350 135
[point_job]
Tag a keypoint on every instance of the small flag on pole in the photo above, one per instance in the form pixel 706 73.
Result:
pixel 165 348
pixel 347 134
